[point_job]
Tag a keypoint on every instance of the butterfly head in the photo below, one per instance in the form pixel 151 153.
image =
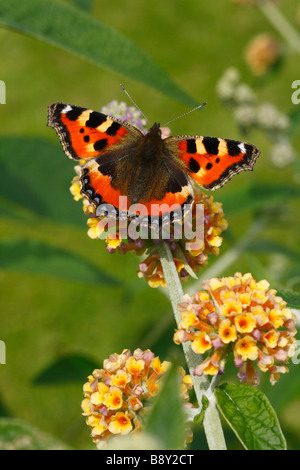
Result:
pixel 155 129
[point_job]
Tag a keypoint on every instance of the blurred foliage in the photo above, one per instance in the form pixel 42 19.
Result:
pixel 16 435
pixel 168 400
pixel 66 303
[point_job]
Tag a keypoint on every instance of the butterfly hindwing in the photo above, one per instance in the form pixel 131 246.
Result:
pixel 212 161
pixel 86 134
pixel 162 189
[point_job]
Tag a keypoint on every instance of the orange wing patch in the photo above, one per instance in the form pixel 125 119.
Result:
pixel 97 187
pixel 170 202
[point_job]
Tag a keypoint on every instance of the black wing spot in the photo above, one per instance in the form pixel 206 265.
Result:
pixel 74 113
pixel 191 146
pixel 107 169
pixel 209 166
pixel 174 187
pixel 95 119
pixel 211 145
pixel 86 138
pixel 217 160
pixel 249 149
pixel 100 144
pixel 81 130
pixel 194 165
pixel 233 148
pixel 113 129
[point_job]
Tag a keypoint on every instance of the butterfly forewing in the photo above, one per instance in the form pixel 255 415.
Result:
pixel 212 161
pixel 86 134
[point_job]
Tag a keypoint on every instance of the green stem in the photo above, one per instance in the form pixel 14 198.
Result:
pixel 282 25
pixel 212 425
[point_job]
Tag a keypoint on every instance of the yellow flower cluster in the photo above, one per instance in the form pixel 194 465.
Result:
pixel 117 396
pixel 237 314
pixel 195 256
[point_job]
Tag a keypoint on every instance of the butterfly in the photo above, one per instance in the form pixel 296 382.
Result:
pixel 119 160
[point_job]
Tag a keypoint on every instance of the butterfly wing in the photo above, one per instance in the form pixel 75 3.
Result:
pixel 86 134
pixel 212 161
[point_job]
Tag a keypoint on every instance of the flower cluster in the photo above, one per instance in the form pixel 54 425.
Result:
pixel 250 114
pixel 237 314
pixel 262 52
pixel 117 396
pixel 189 254
pixel 125 113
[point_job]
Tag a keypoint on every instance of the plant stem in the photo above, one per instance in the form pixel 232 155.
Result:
pixel 212 425
pixel 282 25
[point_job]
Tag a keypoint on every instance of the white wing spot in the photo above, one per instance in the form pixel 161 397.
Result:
pixel 242 147
pixel 66 109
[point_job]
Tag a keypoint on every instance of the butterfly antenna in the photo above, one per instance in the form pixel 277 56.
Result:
pixel 124 89
pixel 181 115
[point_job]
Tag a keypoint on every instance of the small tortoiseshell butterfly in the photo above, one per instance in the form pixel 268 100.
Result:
pixel 121 161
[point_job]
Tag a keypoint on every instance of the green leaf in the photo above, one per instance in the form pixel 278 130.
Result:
pixel 292 298
pixel 166 421
pixel 77 32
pixel 85 5
pixel 251 416
pixel 18 435
pixel 40 258
pixel 200 417
pixel 72 368
pixel 31 186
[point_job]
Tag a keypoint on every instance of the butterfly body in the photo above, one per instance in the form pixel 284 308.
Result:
pixel 119 160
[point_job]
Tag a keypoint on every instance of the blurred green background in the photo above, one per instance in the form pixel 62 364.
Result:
pixel 66 304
